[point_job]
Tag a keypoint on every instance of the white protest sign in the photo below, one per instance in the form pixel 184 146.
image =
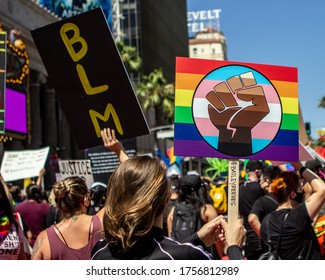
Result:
pixel 18 165
pixel 80 168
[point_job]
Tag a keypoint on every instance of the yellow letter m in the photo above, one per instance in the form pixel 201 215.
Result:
pixel 108 111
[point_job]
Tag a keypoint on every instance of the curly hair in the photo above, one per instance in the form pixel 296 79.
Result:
pixel 283 184
pixel 69 195
pixel 138 192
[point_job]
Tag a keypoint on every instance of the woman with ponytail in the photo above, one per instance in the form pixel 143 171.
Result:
pixel 292 221
pixel 75 235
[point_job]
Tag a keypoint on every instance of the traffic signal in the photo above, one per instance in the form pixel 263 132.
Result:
pixel 307 126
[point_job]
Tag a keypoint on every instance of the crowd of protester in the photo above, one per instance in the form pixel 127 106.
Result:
pixel 141 213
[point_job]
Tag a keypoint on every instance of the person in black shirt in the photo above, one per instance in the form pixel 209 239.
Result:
pixel 249 192
pixel 298 239
pixel 137 195
pixel 265 204
pixel 138 192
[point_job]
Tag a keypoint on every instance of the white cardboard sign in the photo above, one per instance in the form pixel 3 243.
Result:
pixel 18 165
pixel 80 168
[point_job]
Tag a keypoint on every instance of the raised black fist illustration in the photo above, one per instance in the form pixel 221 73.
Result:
pixel 236 117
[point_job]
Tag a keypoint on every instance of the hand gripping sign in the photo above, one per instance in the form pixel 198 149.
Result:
pixel 89 78
pixel 235 110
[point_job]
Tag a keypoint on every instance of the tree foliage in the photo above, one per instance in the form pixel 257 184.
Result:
pixel 154 92
pixel 322 102
pixel 129 56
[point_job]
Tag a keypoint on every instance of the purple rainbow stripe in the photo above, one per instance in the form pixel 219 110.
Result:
pixel 186 147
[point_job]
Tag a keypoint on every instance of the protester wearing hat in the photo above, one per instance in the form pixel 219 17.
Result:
pixel 194 194
pixel 98 197
pixel 316 166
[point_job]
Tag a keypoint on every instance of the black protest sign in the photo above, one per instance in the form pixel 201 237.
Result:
pixel 104 162
pixel 89 78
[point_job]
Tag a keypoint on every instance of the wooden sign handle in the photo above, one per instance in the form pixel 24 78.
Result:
pixel 233 191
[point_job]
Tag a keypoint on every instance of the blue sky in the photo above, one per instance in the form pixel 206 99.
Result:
pixel 279 32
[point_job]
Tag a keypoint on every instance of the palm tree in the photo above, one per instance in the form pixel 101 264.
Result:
pixel 322 102
pixel 155 92
pixel 129 57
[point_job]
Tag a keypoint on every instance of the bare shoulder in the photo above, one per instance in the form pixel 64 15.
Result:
pixel 41 249
pixel 100 214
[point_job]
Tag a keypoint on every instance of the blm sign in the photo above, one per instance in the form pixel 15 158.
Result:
pixel 89 78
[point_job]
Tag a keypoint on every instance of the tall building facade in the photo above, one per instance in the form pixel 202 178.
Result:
pixel 208 44
pixel 205 37
pixel 156 28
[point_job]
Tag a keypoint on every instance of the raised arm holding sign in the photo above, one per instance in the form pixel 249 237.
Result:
pixel 236 110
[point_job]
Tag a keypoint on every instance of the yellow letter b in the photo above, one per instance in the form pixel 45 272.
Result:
pixel 76 38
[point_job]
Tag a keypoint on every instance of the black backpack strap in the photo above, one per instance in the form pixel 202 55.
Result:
pixel 175 220
pixel 300 256
pixel 276 249
pixel 267 224
pixel 272 199
pixel 198 220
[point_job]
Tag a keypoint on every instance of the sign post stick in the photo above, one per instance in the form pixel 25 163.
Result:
pixel 233 190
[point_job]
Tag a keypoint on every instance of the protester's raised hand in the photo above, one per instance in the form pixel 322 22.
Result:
pixel 109 140
pixel 40 176
pixel 113 144
pixel 42 172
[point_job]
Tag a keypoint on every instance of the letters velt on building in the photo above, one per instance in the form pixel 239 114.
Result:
pixel 89 78
pixel 3 54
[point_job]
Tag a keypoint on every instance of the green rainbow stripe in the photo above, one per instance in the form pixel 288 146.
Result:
pixel 184 115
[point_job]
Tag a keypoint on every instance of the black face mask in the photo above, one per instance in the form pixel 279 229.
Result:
pixel 299 197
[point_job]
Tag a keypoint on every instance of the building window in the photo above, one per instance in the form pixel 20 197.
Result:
pixel 195 51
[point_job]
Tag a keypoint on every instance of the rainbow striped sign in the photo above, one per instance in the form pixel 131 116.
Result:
pixel 235 110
